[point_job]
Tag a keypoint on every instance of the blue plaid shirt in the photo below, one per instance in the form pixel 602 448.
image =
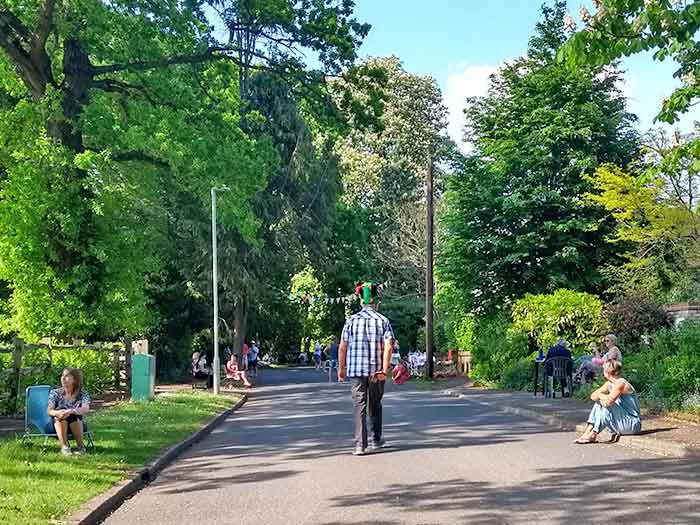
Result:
pixel 365 332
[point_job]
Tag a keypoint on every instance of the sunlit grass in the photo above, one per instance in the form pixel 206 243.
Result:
pixel 38 485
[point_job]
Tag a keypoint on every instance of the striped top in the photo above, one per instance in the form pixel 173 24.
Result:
pixel 366 332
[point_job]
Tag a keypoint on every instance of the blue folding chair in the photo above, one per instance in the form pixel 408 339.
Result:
pixel 35 407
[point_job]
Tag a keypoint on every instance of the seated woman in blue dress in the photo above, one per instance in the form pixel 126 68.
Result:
pixel 616 407
pixel 67 406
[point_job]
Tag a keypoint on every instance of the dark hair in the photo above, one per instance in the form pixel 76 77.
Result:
pixel 77 376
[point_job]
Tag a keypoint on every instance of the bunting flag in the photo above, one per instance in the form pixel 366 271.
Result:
pixel 341 299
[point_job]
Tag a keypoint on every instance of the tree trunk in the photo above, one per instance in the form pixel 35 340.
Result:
pixel 240 323
pixel 78 79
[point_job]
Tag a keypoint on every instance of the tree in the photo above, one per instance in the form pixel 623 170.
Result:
pixel 134 111
pixel 99 111
pixel 385 166
pixel 661 226
pixel 622 28
pixel 657 225
pixel 287 101
pixel 514 220
pixel 273 35
pixel 307 291
pixel 383 175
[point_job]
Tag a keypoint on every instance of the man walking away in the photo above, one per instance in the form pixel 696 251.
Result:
pixel 332 358
pixel 365 354
pixel 317 355
pixel 253 354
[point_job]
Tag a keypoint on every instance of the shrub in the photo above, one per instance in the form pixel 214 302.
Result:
pixel 585 390
pixel 681 376
pixel 636 316
pixel 495 347
pixel 464 333
pixel 576 316
pixel 518 375
pixel 667 372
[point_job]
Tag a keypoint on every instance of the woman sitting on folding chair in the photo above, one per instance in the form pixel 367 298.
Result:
pixel 67 406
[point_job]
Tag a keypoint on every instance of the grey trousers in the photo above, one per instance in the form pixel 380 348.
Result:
pixel 367 410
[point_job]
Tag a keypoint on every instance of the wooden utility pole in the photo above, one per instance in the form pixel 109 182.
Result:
pixel 429 275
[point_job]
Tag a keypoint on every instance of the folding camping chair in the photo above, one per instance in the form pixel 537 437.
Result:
pixel 36 403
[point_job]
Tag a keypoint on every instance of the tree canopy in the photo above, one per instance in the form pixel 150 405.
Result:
pixel 515 220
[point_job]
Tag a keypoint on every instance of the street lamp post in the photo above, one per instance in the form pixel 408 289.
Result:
pixel 429 274
pixel 216 366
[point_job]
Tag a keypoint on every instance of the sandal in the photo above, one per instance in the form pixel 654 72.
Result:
pixel 614 437
pixel 586 441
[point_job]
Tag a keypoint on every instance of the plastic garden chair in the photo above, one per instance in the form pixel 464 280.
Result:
pixel 559 369
pixel 36 403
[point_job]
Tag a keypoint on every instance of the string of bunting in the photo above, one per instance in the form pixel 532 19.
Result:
pixel 343 299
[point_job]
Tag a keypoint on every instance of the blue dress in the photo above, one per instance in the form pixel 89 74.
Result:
pixel 623 417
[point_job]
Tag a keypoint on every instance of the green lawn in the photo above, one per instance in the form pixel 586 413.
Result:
pixel 38 485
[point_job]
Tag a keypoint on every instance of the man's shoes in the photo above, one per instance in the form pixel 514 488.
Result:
pixel 80 451
pixel 359 451
pixel 376 445
pixel 66 451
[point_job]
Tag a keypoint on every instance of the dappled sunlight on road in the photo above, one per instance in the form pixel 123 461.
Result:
pixel 284 458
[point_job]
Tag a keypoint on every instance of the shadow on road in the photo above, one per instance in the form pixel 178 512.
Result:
pixel 293 422
pixel 628 491
pixel 297 419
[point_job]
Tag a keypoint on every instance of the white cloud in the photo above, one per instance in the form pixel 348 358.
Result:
pixel 463 82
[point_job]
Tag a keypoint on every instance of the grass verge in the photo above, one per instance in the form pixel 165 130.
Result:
pixel 38 485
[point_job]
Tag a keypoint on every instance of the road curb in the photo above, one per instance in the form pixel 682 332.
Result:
pixel 672 449
pixel 101 506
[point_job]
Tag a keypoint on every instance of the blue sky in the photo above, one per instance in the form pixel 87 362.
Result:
pixel 460 42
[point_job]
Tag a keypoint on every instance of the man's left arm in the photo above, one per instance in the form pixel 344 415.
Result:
pixel 388 350
pixel 388 347
pixel 342 360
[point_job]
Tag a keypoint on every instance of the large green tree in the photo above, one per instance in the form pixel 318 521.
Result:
pixel 117 119
pixel 286 103
pixel 381 231
pixel 515 221
pixel 103 121
pixel 657 230
pixel 657 219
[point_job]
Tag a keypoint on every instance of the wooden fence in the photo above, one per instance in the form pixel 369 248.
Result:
pixel 121 364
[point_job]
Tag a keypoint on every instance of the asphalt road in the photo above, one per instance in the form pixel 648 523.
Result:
pixel 284 458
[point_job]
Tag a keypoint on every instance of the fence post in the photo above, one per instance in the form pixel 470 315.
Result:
pixel 116 367
pixel 17 371
pixel 127 363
